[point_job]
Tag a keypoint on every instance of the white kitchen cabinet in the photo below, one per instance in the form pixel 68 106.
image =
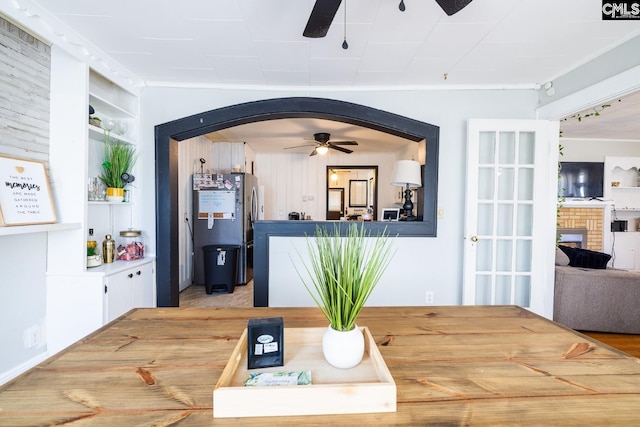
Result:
pixel 79 304
pixel 118 294
pixel 627 249
pixel 130 288
pixel 144 279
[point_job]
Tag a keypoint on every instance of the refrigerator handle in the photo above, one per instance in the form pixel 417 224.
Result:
pixel 254 204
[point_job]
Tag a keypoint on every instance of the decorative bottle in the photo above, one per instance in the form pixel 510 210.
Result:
pixel 92 245
pixel 108 249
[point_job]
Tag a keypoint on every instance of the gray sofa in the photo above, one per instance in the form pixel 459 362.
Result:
pixel 597 300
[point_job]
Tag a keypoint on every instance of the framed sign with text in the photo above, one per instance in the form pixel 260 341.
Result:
pixel 25 195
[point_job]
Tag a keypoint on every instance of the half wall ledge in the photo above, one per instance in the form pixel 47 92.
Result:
pixel 263 230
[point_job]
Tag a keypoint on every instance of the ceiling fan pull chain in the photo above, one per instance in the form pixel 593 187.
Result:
pixel 345 45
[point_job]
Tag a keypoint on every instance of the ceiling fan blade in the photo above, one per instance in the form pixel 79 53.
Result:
pixel 344 142
pixel 452 7
pixel 313 153
pixel 298 146
pixel 321 18
pixel 344 150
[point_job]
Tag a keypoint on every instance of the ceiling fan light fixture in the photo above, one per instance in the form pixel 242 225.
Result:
pixel 322 149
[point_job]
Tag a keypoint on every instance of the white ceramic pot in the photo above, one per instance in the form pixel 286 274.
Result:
pixel 343 349
pixel 94 260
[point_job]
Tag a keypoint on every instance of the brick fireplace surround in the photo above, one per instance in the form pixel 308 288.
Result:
pixel 589 219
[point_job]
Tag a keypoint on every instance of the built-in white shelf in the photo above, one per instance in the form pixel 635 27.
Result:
pixel 97 133
pixel 586 203
pixel 39 228
pixel 109 203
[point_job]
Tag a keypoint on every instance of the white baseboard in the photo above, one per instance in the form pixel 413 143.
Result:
pixel 7 376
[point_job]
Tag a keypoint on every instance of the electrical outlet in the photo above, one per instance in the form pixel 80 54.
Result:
pixel 429 297
pixel 32 336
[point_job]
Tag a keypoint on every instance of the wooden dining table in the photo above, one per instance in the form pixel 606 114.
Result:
pixel 453 365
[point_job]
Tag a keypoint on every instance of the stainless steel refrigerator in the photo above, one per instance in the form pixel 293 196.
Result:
pixel 224 209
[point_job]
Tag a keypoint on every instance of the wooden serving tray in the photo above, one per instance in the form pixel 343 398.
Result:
pixel 368 387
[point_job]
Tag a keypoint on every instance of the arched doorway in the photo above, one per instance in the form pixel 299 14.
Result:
pixel 168 135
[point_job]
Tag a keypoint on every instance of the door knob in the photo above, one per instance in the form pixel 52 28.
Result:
pixel 474 239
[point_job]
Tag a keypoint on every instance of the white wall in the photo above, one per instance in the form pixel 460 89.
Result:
pixel 286 288
pixel 24 133
pixel 288 177
pixel 437 261
pixel 22 299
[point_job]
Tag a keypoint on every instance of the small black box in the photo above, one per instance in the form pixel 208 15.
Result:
pixel 265 342
pixel 619 225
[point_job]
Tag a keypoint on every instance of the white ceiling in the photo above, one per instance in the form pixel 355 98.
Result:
pixel 618 118
pixel 278 136
pixel 499 43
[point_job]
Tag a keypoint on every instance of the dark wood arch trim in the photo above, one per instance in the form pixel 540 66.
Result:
pixel 168 135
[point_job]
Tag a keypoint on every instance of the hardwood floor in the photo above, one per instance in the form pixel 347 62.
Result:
pixel 630 344
pixel 242 296
pixel 196 296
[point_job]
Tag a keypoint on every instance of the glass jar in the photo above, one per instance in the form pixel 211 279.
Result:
pixel 130 246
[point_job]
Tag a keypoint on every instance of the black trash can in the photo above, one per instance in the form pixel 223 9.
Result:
pixel 220 267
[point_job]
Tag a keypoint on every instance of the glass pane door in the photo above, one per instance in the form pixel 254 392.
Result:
pixel 505 190
pixel 502 230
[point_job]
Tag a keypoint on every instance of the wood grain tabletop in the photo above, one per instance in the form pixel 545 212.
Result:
pixel 457 365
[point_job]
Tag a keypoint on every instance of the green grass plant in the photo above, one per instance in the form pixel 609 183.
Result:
pixel 118 159
pixel 344 270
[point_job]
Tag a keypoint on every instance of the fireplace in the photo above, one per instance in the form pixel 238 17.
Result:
pixel 581 226
pixel 573 237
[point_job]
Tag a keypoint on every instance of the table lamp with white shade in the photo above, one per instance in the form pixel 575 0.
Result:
pixel 407 174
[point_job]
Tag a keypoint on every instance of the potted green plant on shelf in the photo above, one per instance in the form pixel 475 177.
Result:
pixel 93 257
pixel 119 159
pixel 343 272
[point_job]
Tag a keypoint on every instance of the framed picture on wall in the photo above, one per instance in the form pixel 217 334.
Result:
pixel 358 189
pixel 25 194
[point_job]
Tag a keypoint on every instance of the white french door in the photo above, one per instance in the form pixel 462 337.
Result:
pixel 510 213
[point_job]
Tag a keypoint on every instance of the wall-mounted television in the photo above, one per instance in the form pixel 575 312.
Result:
pixel 581 179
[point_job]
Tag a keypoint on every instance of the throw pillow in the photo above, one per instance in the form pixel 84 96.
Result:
pixel 561 257
pixel 586 258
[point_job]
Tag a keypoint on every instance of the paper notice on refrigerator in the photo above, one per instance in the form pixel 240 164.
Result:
pixel 202 180
pixel 220 203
